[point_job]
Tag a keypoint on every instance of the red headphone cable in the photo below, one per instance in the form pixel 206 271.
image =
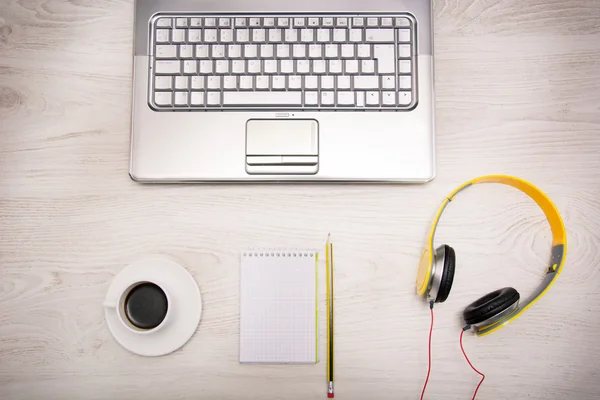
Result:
pixel 462 332
pixel 428 351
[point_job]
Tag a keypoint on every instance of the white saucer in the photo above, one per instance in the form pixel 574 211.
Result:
pixel 185 307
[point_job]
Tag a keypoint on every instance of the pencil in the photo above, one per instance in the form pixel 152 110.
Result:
pixel 329 268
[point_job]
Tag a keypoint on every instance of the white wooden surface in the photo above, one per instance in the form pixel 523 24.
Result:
pixel 518 92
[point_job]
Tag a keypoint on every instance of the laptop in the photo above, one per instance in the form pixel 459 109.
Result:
pixel 282 90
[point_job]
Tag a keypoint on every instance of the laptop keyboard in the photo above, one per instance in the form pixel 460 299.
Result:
pixel 282 61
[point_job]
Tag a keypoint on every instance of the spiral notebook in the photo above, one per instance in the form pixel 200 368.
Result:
pixel 278 306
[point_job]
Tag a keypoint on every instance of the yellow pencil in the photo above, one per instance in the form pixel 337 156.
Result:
pixel 329 265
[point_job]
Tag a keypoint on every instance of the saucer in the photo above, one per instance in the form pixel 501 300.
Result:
pixel 185 306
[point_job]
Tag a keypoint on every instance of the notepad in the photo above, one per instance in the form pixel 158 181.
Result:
pixel 278 306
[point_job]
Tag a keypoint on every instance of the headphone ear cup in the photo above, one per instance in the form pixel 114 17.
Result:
pixel 448 275
pixel 489 305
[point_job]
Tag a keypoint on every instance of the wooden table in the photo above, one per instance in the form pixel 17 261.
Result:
pixel 518 92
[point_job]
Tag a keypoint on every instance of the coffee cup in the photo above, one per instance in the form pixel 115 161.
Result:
pixel 142 307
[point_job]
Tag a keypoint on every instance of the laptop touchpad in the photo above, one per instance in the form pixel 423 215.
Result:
pixel 276 146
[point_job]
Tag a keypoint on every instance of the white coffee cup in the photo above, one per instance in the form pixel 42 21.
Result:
pixel 139 307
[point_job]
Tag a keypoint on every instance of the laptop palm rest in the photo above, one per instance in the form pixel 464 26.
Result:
pixel 275 146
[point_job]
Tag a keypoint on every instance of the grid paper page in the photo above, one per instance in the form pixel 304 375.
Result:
pixel 278 321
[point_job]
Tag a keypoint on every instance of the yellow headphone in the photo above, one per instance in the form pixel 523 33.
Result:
pixel 496 309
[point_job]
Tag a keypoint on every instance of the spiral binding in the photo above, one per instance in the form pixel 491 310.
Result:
pixel 281 253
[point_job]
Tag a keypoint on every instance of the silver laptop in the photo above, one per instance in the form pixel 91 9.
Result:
pixel 282 90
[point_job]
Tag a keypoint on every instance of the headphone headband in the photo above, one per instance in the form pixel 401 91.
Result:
pixel 559 243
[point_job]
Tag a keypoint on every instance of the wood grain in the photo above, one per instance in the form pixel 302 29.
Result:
pixel 518 92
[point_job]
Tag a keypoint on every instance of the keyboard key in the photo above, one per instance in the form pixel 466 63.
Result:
pixel 388 98
pixel 194 35
pixel 238 67
pixel 315 51
pixel 263 99
pixel 328 22
pixel 287 66
pixel 323 35
pixel 388 82
pixel 213 82
pixel 198 82
pixel 311 98
pixel 250 51
pixel 307 35
pixel 196 22
pixel 162 36
pixel 202 51
pixel 242 35
pixel 210 35
pixel 373 98
pixel 267 51
pixel 275 35
pixel 386 22
pixel 343 82
pixel 367 66
pixel 345 98
pixel 327 82
pixel 278 82
pixel 230 82
pixel 210 22
pixel 270 66
pixel 181 98
pixel 366 82
pixel 262 82
pixel 360 99
pixel 331 51
pixel 197 99
pixel 358 22
pixel 339 35
pixel 241 22
pixel 163 98
pixel 404 66
pixel 335 66
pixel 224 22
pixel 379 35
pixel 283 51
pixel 402 22
pixel 269 22
pixel 303 66
pixel 313 22
pixel 404 82
pixel 341 22
pixel 206 67
pixel 254 67
pixel 178 35
pixel 299 51
pixel 291 35
pixel 226 35
pixel 186 51
pixel 299 22
pixel 246 82
pixel 190 67
pixel 351 66
pixel 356 35
pixel 234 51
pixel 164 22
pixel 363 50
pixel 222 66
pixel 372 22
pixel 403 35
pixel 319 66
pixel 283 22
pixel 218 51
pixel 213 98
pixel 166 51
pixel 258 35
pixel 163 82
pixel 182 22
pixel 348 51
pixel 295 82
pixel 168 67
pixel 386 59
pixel 404 98
pixel 254 22
pixel 327 98
pixel 404 51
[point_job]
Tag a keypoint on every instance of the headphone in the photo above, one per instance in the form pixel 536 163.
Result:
pixel 494 310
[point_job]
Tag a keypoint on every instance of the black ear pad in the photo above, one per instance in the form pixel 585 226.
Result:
pixel 448 275
pixel 490 305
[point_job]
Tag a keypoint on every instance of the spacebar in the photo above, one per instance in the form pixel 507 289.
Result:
pixel 262 98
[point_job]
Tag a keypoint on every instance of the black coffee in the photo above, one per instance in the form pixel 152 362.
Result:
pixel 146 305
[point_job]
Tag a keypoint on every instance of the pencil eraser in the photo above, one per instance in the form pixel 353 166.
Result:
pixel 330 395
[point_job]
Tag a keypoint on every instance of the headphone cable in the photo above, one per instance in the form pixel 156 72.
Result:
pixel 428 351
pixel 462 332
